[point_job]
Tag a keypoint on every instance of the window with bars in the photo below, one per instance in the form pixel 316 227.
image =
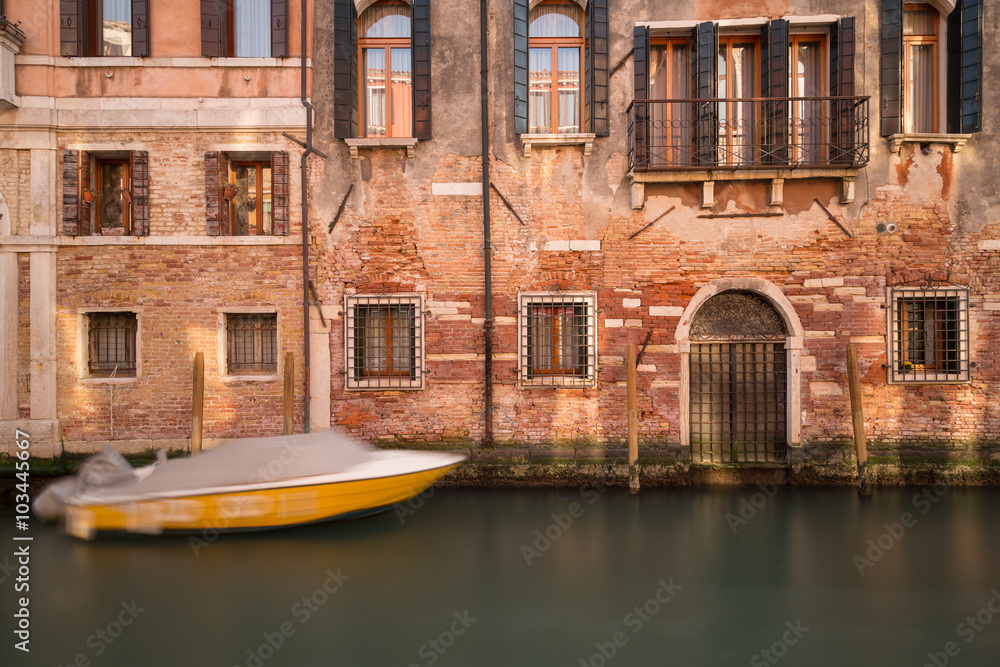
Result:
pixel 251 343
pixel 929 339
pixel 558 339
pixel 384 339
pixel 111 344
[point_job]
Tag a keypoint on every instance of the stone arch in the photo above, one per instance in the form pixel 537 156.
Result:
pixel 362 5
pixel 793 344
pixel 534 3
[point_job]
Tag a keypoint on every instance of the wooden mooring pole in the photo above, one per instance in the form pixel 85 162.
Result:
pixel 197 402
pixel 633 422
pixel 289 393
pixel 858 418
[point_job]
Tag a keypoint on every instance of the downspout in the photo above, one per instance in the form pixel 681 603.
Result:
pixel 305 221
pixel 487 249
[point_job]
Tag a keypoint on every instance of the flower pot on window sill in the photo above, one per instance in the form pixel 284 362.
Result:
pixel 228 192
pixel 113 231
pixel 88 196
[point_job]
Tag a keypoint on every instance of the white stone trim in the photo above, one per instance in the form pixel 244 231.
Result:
pixel 527 299
pixel 83 345
pixel 528 141
pixel 352 383
pixel 135 61
pixel 222 356
pixel 793 343
pixel 473 189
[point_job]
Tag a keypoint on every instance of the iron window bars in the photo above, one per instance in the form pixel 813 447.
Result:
pixel 384 342
pixel 929 335
pixel 558 339
pixel 252 343
pixel 111 339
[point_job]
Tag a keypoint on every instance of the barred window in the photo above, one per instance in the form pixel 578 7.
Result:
pixel 251 343
pixel 558 341
pixel 111 338
pixel 929 335
pixel 384 342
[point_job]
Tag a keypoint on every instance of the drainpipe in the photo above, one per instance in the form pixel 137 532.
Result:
pixel 487 249
pixel 305 221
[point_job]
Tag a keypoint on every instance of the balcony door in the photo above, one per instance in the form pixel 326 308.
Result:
pixel 738 75
pixel 670 137
pixel 807 78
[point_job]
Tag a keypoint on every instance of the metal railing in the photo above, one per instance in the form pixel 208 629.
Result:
pixel 748 133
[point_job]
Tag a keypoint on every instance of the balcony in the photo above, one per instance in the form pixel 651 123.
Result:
pixel 747 139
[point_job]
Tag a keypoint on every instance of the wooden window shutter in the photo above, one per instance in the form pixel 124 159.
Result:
pixel 891 87
pixel 640 91
pixel 71 198
pixel 774 50
pixel 279 29
pixel 965 67
pixel 705 75
pixel 596 68
pixel 140 28
pixel 520 66
pixel 214 29
pixel 842 85
pixel 421 31
pixel 139 164
pixel 279 193
pixel 74 28
pixel 345 69
pixel 216 205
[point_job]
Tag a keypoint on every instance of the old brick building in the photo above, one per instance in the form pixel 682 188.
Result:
pixel 741 190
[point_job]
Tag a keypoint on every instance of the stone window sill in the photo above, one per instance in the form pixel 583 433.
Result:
pixel 381 142
pixel 134 61
pixel 249 378
pixel 545 140
pixel 956 141
pixel 117 380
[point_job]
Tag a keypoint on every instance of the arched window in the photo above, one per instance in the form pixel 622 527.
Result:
pixel 555 50
pixel 386 72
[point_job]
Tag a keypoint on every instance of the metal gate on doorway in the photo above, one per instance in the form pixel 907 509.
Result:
pixel 738 381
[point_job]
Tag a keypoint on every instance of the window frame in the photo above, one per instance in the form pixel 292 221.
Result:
pixel 222 345
pixel 527 376
pixel 414 380
pixel 257 228
pixel 260 366
pixel 727 156
pixel 896 297
pixel 98 185
pixel 387 44
pixel 794 38
pixel 84 373
pixel 554 43
pixel 96 37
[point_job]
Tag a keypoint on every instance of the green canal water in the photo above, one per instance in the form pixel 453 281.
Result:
pixel 538 577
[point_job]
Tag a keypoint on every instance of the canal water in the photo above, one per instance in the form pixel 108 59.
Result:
pixel 755 576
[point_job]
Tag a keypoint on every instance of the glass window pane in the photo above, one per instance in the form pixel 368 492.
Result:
pixel 244 199
pixel 385 21
pixel 116 27
pixel 920 93
pixel 375 93
pixel 266 226
pixel 112 176
pixel 555 21
pixel 569 89
pixel 919 22
pixel 252 33
pixel 401 94
pixel 540 90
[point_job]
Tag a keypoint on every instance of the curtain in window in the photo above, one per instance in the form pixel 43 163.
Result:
pixel 807 115
pixel 385 21
pixel 920 94
pixel 375 93
pixel 253 28
pixel 387 341
pixel 540 90
pixel 569 89
pixel 670 122
pixel 557 339
pixel 116 28
pixel 555 21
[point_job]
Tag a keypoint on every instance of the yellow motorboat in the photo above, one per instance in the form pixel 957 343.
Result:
pixel 248 484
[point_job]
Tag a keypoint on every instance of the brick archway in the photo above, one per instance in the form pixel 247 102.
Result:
pixel 793 346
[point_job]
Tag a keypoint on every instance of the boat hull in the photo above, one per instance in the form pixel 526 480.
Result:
pixel 250 509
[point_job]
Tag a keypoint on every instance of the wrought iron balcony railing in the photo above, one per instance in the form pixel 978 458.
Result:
pixel 748 133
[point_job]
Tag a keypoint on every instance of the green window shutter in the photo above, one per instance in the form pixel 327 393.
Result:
pixel 345 69
pixel 520 66
pixel 891 85
pixel 965 67
pixel 421 45
pixel 596 68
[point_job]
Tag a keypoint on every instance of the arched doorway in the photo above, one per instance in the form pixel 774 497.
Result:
pixel 738 380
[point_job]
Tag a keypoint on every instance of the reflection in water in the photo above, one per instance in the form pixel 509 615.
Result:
pixel 794 560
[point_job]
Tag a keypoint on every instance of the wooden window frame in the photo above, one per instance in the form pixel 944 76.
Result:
pixel 934 41
pixel 729 41
pixel 95 40
pixel 98 184
pixel 355 378
pixel 388 44
pixel 230 9
pixel 824 85
pixel 260 367
pixel 256 228
pixel 555 43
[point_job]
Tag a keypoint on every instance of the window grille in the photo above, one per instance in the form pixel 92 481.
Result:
pixel 929 335
pixel 558 340
pixel 384 341
pixel 252 343
pixel 112 344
